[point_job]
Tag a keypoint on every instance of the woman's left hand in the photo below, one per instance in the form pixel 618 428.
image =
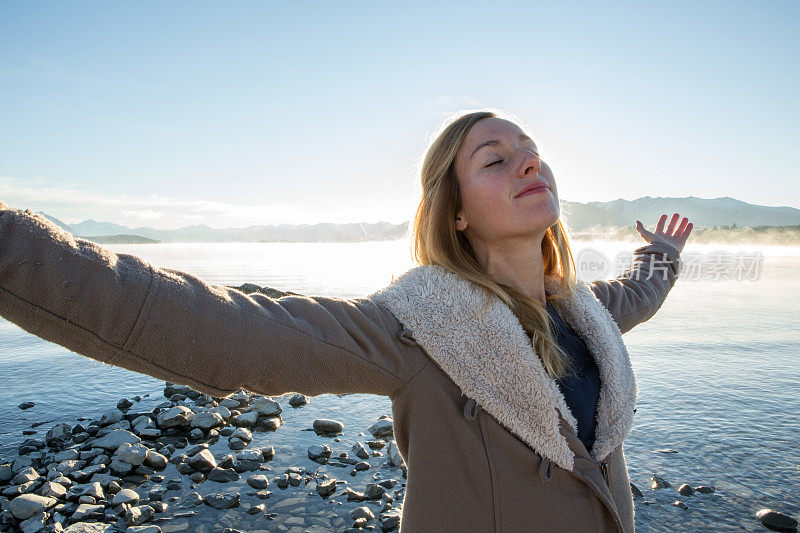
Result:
pixel 675 237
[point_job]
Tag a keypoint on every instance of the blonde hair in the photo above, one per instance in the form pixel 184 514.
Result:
pixel 435 241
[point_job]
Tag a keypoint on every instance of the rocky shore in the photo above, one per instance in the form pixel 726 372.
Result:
pixel 190 464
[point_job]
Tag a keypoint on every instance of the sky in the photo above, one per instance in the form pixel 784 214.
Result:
pixel 232 114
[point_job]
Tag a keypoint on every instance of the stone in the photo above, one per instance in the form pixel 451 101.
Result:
pixel 51 489
pixel 324 425
pixel 359 450
pixel 206 421
pixel 776 519
pixel 59 435
pixel 25 506
pixel 242 434
pixel 248 419
pixel 133 454
pixel 361 512
pixel 222 501
pixel 178 416
pixel 86 510
pixel 258 481
pixel 203 461
pixel 327 487
pixel 395 459
pixel 90 527
pixel 319 452
pixel 190 499
pixel 128 496
pixel 115 439
pixel 382 428
pixel 111 417
pixel 223 475
pixel 143 529
pixel 298 400
pixel 659 483
pixel 139 515
pixel 266 407
pixel 155 460
pixel 25 475
pixel 373 491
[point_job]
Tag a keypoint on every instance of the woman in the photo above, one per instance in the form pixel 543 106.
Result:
pixel 475 347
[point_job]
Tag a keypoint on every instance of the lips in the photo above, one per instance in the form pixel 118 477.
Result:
pixel 531 187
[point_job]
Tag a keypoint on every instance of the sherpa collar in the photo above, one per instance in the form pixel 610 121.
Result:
pixel 493 361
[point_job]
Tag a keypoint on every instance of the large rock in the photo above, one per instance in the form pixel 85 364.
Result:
pixel 223 475
pixel 139 515
pixel 777 520
pixel 266 407
pixel 90 527
pixel 207 420
pixel 59 435
pixel 128 496
pixel 155 460
pixel 133 454
pixel 203 461
pixel 222 501
pixel 325 425
pixel 115 439
pixel 35 523
pixel 25 475
pixel 52 489
pixel 111 417
pixel 27 505
pixel 319 453
pixel 394 455
pixel 178 416
pixel 87 510
pixel 382 428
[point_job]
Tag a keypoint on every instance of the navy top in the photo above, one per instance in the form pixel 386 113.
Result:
pixel 581 389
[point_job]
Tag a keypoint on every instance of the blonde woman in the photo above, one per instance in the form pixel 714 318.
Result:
pixel 512 391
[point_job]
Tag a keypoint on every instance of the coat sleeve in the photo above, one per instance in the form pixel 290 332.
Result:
pixel 120 310
pixel 636 295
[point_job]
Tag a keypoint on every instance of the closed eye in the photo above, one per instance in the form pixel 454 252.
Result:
pixel 490 164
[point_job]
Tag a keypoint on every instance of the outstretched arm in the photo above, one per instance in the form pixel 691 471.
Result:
pixel 118 309
pixel 636 295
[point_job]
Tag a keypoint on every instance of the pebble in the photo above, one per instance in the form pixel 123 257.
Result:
pixel 324 425
pixel 776 519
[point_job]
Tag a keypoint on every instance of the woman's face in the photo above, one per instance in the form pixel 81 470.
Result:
pixel 490 176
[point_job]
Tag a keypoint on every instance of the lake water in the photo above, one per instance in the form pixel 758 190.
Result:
pixel 717 369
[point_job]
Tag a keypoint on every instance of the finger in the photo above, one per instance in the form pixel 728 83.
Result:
pixel 681 226
pixel 672 222
pixel 646 235
pixel 660 225
pixel 686 232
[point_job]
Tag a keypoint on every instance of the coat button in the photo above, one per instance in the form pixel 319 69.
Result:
pixel 407 337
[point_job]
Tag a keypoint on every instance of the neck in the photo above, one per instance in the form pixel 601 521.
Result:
pixel 516 262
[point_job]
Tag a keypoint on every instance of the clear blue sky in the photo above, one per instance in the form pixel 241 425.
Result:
pixel 230 114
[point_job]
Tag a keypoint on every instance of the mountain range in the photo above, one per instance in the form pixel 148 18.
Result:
pixel 581 217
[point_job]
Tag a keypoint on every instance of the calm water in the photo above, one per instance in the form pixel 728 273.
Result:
pixel 717 369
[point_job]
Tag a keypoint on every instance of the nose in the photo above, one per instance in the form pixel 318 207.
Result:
pixel 530 159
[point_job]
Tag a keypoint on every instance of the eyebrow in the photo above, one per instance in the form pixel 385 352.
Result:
pixel 522 137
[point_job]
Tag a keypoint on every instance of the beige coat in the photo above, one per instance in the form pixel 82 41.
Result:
pixel 489 443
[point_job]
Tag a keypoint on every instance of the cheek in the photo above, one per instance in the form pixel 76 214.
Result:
pixel 480 196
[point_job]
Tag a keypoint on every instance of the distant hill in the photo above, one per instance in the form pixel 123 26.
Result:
pixel 703 212
pixel 602 220
pixel 119 239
